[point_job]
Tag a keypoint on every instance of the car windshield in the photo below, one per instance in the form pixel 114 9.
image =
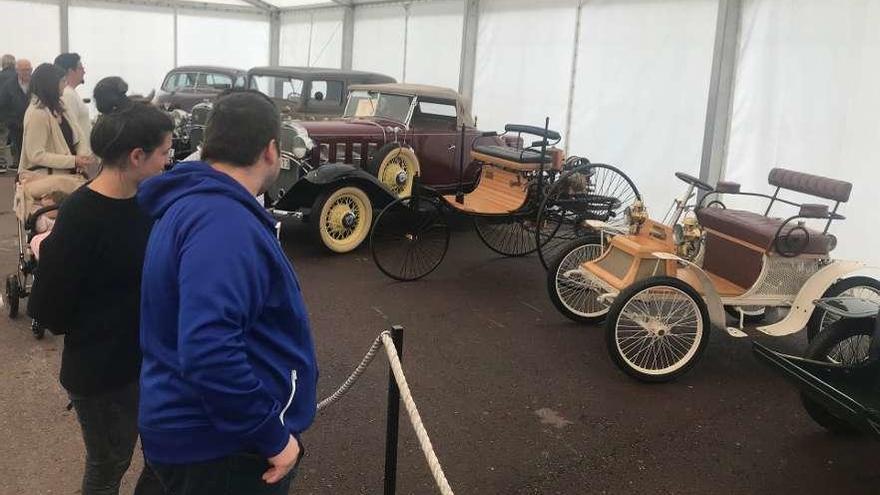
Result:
pixel 364 104
pixel 286 88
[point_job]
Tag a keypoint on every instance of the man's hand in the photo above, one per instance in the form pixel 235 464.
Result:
pixel 282 463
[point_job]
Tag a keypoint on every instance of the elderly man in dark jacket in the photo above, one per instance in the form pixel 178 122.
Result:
pixel 13 103
pixel 7 68
pixel 7 73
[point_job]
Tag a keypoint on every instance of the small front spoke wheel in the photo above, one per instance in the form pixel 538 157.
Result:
pixel 574 295
pixel 657 329
pixel 410 238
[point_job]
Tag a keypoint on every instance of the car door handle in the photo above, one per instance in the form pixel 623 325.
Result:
pixel 451 148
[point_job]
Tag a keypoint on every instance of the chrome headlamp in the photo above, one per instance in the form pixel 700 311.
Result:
pixel 299 143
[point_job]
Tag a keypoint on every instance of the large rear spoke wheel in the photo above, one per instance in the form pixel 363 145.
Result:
pixel 410 238
pixel 586 192
pixel 507 235
pixel 657 329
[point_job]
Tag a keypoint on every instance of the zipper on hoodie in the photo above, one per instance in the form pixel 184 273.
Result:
pixel 290 399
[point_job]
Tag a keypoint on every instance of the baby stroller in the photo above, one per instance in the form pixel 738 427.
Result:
pixel 30 188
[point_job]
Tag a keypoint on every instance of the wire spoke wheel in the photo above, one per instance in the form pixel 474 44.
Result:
pixel 507 235
pixel 342 218
pixel 657 328
pixel 396 167
pixel 845 342
pixel 861 287
pixel 585 192
pixel 410 238
pixel 573 294
pixel 397 174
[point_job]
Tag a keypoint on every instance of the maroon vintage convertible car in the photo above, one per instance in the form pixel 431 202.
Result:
pixel 338 171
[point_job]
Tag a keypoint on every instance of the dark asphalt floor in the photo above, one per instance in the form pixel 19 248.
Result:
pixel 516 398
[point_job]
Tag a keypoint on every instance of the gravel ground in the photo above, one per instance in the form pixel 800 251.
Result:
pixel 517 399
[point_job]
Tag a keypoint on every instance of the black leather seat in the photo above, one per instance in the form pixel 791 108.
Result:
pixel 513 154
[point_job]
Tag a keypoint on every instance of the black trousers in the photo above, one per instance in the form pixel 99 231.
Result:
pixel 15 142
pixel 109 429
pixel 239 474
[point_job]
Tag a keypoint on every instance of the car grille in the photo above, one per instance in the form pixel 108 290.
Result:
pixel 200 114
pixel 355 153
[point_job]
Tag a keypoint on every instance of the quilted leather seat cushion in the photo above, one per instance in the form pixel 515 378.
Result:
pixel 513 154
pixel 759 230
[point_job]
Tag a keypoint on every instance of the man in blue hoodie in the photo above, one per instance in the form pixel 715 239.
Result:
pixel 229 374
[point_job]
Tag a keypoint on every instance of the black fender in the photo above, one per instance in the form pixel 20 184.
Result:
pixel 302 193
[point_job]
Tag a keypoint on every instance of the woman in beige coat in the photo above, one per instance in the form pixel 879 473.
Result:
pixel 51 140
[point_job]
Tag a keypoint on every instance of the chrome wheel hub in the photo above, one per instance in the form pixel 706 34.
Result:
pixel 401 178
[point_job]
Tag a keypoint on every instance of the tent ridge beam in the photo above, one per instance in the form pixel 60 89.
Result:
pixel 260 4
pixel 188 4
pixel 335 4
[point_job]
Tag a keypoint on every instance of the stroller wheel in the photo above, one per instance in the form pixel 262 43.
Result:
pixel 13 289
pixel 38 330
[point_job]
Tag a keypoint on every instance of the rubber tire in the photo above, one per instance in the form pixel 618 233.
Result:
pixel 374 164
pixel 817 351
pixel 317 214
pixel 13 289
pixel 551 282
pixel 614 315
pixel 747 319
pixel 38 330
pixel 839 287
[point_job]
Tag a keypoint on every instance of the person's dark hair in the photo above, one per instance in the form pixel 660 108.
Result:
pixel 67 61
pixel 44 85
pixel 139 125
pixel 110 95
pixel 241 125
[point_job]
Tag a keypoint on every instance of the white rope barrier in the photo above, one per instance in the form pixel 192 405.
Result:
pixel 414 416
pixel 368 358
pixel 415 419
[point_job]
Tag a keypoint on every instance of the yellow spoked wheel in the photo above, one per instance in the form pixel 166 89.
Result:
pixel 343 218
pixel 397 169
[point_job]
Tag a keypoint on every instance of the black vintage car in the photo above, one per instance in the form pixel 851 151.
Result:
pixel 186 86
pixel 309 93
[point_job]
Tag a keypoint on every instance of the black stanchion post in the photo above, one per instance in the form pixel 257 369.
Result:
pixel 393 417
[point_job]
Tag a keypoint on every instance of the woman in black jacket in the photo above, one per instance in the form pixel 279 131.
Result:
pixel 88 288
